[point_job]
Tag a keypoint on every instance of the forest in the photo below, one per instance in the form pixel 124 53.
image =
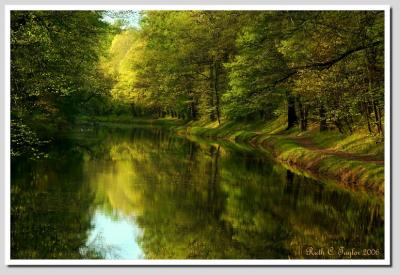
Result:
pixel 196 134
pixel 307 67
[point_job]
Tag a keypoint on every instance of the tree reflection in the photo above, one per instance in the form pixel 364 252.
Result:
pixel 199 200
pixel 191 200
pixel 50 208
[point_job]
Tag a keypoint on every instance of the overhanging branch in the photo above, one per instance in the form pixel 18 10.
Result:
pixel 324 65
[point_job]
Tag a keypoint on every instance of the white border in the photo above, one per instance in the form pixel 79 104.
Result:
pixel 7 134
pixel 197 7
pixel 355 262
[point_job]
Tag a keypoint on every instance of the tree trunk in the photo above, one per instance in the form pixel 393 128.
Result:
pixel 380 121
pixel 377 118
pixel 349 123
pixel 338 124
pixel 291 114
pixel 212 115
pixel 366 111
pixel 193 110
pixel 216 93
pixel 322 119
pixel 373 84
pixel 303 109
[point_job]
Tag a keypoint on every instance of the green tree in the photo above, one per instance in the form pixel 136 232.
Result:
pixel 54 68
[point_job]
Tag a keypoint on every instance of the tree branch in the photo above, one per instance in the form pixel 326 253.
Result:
pixel 330 63
pixel 324 65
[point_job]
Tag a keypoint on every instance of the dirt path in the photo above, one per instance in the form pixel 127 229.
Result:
pixel 309 144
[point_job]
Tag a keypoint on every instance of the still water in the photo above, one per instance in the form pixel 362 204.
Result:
pixel 143 193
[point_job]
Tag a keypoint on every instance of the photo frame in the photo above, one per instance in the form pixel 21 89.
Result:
pixel 386 261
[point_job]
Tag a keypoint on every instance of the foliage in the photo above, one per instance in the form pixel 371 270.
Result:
pixel 54 69
pixel 25 142
pixel 48 220
pixel 322 67
pixel 208 201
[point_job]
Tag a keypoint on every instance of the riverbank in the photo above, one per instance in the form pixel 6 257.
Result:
pixel 355 161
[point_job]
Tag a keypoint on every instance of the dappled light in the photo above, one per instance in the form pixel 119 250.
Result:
pixel 197 134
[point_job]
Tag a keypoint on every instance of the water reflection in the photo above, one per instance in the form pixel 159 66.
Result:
pixel 143 193
pixel 115 236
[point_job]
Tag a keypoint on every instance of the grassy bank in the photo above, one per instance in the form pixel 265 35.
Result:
pixel 351 172
pixel 354 160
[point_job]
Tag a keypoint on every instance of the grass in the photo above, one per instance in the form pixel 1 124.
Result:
pixel 273 135
pixel 233 131
pixel 352 173
pixel 359 142
pixel 273 138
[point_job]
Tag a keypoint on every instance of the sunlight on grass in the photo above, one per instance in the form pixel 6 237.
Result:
pixel 358 143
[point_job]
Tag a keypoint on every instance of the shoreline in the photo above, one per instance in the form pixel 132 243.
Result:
pixel 351 173
pixel 273 139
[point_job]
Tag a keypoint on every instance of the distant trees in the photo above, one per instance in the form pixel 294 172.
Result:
pixel 179 64
pixel 323 66
pixel 311 66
